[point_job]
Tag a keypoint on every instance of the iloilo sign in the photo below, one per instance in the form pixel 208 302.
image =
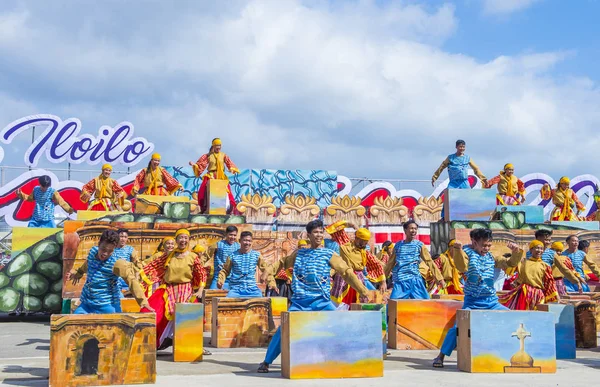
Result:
pixel 61 141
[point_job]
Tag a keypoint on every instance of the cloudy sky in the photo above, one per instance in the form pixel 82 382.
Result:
pixel 368 87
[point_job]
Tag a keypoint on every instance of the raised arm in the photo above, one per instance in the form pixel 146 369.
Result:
pixel 461 260
pixel 513 261
pixel 439 171
pixel 578 203
pixel 478 172
pixel 337 263
pixel 25 197
pixel 62 203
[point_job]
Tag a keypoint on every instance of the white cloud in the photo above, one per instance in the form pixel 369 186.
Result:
pixel 353 87
pixel 504 7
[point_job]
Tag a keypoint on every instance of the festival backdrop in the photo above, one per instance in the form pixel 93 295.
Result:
pixel 322 185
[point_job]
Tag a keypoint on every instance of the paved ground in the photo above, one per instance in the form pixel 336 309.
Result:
pixel 24 346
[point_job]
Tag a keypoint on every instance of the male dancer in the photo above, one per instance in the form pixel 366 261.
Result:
pixel 311 283
pixel 224 249
pixel 477 261
pixel 242 265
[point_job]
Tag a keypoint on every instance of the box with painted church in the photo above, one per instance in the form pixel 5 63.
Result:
pixel 420 324
pixel 336 344
pixel 522 341
pixel 240 322
pixel 564 323
pixel 102 349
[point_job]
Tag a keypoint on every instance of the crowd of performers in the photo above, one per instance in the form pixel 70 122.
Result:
pixel 315 277
pixel 322 273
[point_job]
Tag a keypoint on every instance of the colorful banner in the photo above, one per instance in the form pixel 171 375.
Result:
pixel 278 184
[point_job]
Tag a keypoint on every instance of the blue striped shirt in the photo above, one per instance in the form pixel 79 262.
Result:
pixel 577 259
pixel 100 286
pixel 480 274
pixel 44 205
pixel 224 250
pixel 312 274
pixel 408 258
pixel 243 269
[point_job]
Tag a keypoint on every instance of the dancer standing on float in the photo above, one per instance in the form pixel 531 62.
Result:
pixel 511 190
pixel 458 168
pixel 242 265
pixel 535 283
pixel 404 266
pixel 478 263
pixel 311 283
pixel 108 194
pixel 564 199
pixel 357 257
pixel 45 199
pixel 155 179
pixel 101 291
pixel 214 162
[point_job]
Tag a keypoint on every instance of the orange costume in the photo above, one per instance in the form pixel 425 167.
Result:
pixel 179 274
pixel 157 181
pixel 564 200
pixel 107 193
pixel 511 190
pixel 214 163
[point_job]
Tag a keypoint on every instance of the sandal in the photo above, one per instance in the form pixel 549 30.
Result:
pixel 263 368
pixel 438 363
pixel 206 352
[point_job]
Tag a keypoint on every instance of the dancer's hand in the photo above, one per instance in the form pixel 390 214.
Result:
pixel 383 288
pixel 442 284
pixel 457 245
pixel 219 284
pixel 513 247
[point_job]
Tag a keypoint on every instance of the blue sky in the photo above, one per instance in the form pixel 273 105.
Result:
pixel 367 87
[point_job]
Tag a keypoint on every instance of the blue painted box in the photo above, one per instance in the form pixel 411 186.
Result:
pixel 469 204
pixel 506 341
pixel 564 318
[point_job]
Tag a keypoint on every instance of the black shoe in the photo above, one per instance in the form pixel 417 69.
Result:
pixel 166 344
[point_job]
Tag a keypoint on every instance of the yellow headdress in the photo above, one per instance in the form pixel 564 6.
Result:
pixel 199 249
pixel 564 179
pixel 535 243
pixel 558 247
pixel 182 231
pixel 391 246
pixel 364 234
pixel 107 166
pixel 216 141
pixel 452 242
pixel 302 242
pixel 164 241
pixel 508 166
pixel 156 156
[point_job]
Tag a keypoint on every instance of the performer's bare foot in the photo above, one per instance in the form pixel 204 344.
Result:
pixel 263 368
pixel 438 362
